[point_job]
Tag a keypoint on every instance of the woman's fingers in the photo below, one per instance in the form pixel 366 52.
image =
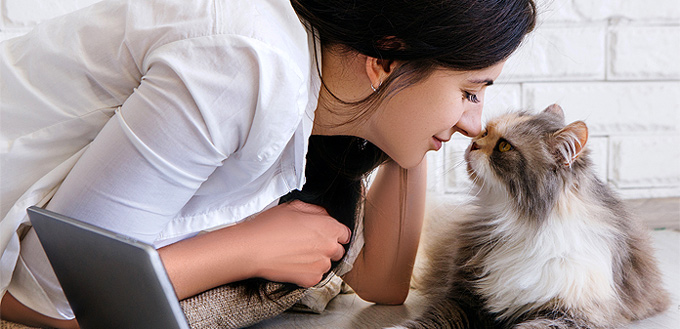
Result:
pixel 345 234
pixel 339 252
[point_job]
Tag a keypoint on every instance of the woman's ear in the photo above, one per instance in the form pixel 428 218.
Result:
pixel 378 70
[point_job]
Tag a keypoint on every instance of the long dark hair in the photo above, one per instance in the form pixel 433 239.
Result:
pixel 427 35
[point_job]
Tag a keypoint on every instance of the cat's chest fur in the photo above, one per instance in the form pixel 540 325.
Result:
pixel 567 259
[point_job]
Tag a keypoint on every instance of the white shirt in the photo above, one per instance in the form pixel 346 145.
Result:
pixel 170 117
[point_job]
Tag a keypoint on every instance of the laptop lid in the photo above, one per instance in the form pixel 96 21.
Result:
pixel 110 280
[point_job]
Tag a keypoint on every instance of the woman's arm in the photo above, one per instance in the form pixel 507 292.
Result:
pixel 382 272
pixel 12 310
pixel 292 242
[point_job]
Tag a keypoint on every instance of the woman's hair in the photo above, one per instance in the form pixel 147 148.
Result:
pixel 424 36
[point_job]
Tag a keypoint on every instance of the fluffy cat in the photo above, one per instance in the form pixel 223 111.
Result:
pixel 545 245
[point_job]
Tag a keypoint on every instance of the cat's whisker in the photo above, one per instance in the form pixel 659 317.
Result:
pixel 459 163
pixel 479 188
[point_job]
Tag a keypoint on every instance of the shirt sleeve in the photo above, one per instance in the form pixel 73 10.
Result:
pixel 199 103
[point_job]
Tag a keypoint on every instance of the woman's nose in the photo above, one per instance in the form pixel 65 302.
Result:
pixel 470 123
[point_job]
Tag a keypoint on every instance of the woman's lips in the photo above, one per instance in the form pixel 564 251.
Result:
pixel 437 143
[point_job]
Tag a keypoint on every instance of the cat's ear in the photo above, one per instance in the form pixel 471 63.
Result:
pixel 555 110
pixel 569 142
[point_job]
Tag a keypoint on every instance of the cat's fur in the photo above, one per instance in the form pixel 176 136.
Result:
pixel 545 245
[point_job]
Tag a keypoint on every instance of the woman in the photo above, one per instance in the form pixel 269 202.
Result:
pixel 165 119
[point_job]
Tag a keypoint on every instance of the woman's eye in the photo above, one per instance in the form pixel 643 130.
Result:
pixel 504 146
pixel 471 97
pixel 484 134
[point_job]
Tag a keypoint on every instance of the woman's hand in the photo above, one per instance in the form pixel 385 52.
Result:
pixel 295 242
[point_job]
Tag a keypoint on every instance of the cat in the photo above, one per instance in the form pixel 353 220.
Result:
pixel 546 243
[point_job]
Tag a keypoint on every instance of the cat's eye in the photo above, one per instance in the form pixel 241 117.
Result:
pixel 484 133
pixel 504 146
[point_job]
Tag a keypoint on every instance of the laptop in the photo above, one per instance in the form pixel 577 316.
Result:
pixel 110 280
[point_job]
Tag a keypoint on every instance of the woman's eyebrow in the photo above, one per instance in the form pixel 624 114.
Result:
pixel 486 82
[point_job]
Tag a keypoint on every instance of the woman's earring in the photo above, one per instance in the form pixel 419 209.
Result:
pixel 374 88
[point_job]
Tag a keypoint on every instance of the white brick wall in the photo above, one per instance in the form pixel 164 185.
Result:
pixel 578 11
pixel 612 107
pixel 644 52
pixel 614 64
pixel 560 53
pixel 637 163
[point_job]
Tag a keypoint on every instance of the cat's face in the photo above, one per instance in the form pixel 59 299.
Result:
pixel 523 157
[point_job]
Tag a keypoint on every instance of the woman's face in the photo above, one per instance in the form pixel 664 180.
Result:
pixel 422 116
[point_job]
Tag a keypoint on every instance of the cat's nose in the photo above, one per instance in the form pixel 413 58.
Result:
pixel 474 146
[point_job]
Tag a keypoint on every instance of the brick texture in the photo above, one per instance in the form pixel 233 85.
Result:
pixel 634 10
pixel 645 161
pixel 575 11
pixel 563 52
pixel 644 52
pixel 611 108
